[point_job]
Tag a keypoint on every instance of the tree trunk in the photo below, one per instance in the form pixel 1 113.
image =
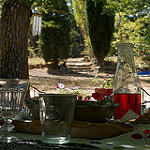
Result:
pixel 14 28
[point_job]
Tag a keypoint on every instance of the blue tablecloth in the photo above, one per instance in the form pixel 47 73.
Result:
pixel 145 73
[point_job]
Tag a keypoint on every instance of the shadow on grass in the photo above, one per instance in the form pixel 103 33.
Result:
pixel 143 80
pixel 108 67
pixel 69 73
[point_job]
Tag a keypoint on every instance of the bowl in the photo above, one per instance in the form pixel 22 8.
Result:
pixel 95 112
pixel 32 108
pixel 89 111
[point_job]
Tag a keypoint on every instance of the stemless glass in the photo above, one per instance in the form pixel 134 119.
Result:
pixel 12 96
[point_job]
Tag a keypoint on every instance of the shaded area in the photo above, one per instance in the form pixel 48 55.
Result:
pixel 144 80
pixel 38 145
pixel 108 67
pixel 70 73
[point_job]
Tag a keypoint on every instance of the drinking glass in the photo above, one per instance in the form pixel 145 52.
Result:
pixel 56 115
pixel 12 95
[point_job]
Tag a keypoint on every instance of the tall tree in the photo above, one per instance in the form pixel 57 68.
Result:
pixel 77 40
pixel 101 26
pixel 55 34
pixel 80 17
pixel 15 21
pixel 131 24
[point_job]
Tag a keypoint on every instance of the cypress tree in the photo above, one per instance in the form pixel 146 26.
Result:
pixel 100 23
pixel 55 34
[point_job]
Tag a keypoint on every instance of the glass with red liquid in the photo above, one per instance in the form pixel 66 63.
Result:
pixel 126 87
pixel 127 102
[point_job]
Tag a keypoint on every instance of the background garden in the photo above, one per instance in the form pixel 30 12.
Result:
pixel 78 42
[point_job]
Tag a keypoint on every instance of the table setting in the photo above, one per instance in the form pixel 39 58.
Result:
pixel 128 133
pixel 109 119
pixel 136 138
pixel 99 132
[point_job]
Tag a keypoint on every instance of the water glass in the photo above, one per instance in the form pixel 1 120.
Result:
pixel 56 115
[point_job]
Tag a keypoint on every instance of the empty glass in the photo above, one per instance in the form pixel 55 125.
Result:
pixel 56 115
pixel 12 96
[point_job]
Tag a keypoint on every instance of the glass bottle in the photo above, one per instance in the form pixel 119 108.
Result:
pixel 126 87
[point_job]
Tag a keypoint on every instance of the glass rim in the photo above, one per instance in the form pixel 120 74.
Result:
pixel 125 43
pixel 4 79
pixel 59 95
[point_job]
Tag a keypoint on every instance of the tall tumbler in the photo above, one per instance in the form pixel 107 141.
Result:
pixel 56 115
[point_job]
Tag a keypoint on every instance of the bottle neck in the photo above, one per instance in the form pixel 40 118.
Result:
pixel 125 57
pixel 126 77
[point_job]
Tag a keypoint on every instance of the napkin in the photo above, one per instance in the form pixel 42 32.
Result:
pixel 128 116
pixel 23 115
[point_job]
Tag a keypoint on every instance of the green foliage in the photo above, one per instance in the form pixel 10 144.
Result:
pixel 101 27
pixel 55 35
pixel 29 2
pixel 1 4
pixel 131 24
pixel 106 82
pixel 76 36
pixel 76 42
pixel 80 17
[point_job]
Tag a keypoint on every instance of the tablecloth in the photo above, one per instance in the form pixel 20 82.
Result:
pixel 123 142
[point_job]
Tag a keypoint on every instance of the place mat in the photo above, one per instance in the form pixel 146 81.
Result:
pixel 80 129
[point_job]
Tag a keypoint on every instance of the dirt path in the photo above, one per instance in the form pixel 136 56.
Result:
pixel 47 81
pixel 44 81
